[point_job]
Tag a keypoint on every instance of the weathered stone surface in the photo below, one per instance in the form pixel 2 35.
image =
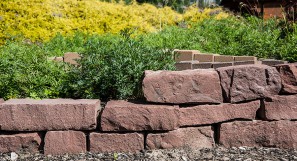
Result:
pixel 288 74
pixel 280 108
pixel 62 142
pixel 48 114
pixel 102 142
pixel 192 137
pixel 71 58
pixel 204 57
pixel 279 134
pixel 188 86
pixel 223 58
pixel 216 65
pixel 209 114
pixel 184 55
pixel 28 142
pixel 249 82
pixel 203 65
pixel 127 116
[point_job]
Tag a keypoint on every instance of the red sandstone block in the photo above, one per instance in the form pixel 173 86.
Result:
pixel 249 82
pixel 188 86
pixel 280 108
pixel 279 134
pixel 62 142
pixel 288 73
pixel 71 58
pixel 103 142
pixel 223 58
pixel 192 137
pixel 126 116
pixel 183 65
pixel 204 57
pixel 30 142
pixel 245 58
pixel 48 114
pixel 210 114
pixel 184 55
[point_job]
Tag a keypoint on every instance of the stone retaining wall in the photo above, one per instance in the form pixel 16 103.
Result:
pixel 246 105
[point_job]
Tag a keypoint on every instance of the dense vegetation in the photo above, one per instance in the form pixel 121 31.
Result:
pixel 113 60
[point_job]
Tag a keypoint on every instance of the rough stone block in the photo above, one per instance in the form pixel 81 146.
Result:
pixel 62 142
pixel 204 65
pixel 188 86
pixel 249 82
pixel 245 58
pixel 48 114
pixel 29 142
pixel 184 55
pixel 272 62
pixel 71 58
pixel 183 65
pixel 278 134
pixel 244 62
pixel 127 116
pixel 280 108
pixel 288 73
pixel 192 137
pixel 216 65
pixel 210 114
pixel 204 57
pixel 223 58
pixel 107 143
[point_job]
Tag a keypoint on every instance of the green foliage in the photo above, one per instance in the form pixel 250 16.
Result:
pixel 233 36
pixel 112 67
pixel 25 71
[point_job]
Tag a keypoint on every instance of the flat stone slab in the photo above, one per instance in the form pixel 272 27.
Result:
pixel 288 73
pixel 249 82
pixel 48 114
pixel 210 114
pixel 62 142
pixel 192 137
pixel 29 142
pixel 127 116
pixel 278 134
pixel 280 108
pixel 107 143
pixel 188 86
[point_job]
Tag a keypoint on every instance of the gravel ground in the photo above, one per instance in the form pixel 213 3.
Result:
pixel 218 153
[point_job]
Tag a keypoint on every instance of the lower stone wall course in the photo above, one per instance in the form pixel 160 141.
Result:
pixel 127 116
pixel 191 137
pixel 62 142
pixel 278 134
pixel 49 114
pixel 112 142
pixel 280 108
pixel 29 142
pixel 210 114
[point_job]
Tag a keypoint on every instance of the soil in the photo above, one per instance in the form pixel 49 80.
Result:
pixel 218 153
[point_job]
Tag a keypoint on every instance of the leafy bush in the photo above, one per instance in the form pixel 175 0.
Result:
pixel 112 67
pixel 25 71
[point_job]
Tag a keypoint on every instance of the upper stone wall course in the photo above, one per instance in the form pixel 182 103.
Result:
pixel 288 73
pixel 48 114
pixel 249 82
pixel 201 86
pixel 127 116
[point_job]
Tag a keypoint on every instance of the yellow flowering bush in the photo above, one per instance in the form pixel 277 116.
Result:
pixel 40 20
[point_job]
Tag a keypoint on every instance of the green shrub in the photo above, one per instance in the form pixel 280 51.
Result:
pixel 112 67
pixel 25 71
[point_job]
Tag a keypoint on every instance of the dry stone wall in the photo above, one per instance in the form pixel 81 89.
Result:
pixel 246 105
